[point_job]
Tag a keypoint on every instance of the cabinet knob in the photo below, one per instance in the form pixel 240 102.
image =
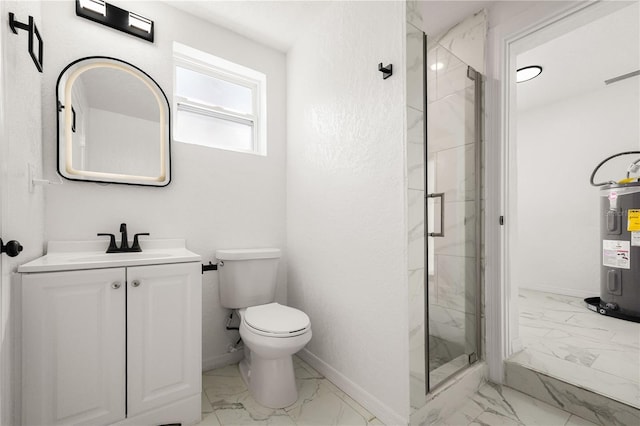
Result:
pixel 115 285
pixel 135 283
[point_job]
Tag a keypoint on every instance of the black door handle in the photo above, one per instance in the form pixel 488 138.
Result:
pixel 12 248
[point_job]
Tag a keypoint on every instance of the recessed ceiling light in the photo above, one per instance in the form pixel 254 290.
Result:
pixel 437 66
pixel 527 73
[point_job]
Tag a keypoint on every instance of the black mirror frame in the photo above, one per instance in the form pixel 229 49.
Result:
pixel 60 106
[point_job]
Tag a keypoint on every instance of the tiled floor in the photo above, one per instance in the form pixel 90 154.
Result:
pixel 495 405
pixel 565 340
pixel 226 401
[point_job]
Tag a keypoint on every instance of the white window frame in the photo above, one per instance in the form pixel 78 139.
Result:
pixel 213 66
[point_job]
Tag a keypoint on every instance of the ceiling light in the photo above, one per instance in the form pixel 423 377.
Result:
pixel 437 66
pixel 527 73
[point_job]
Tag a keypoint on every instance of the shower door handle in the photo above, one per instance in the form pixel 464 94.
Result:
pixel 441 196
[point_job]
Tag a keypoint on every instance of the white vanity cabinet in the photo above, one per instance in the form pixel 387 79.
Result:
pixel 114 345
pixel 73 347
pixel 164 324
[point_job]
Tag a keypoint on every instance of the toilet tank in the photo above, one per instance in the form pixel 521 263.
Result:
pixel 247 277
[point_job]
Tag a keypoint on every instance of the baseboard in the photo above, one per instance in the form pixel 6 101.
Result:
pixel 383 412
pixel 223 360
pixel 563 291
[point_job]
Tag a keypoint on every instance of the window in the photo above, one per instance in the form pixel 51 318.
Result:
pixel 218 103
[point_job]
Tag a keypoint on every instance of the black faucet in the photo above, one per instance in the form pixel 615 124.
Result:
pixel 124 241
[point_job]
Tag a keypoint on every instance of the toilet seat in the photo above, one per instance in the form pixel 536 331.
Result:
pixel 276 320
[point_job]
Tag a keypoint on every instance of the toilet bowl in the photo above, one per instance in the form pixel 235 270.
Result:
pixel 272 333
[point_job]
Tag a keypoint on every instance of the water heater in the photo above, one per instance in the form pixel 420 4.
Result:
pixel 620 246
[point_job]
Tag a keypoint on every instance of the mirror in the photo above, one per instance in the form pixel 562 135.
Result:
pixel 114 124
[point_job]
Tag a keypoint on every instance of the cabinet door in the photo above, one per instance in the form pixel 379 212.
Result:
pixel 163 334
pixel 73 347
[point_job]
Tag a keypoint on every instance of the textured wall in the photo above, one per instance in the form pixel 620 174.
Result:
pixel 346 200
pixel 217 199
pixel 22 212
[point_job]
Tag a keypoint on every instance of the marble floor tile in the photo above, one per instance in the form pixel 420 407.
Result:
pixel 466 414
pixel 226 401
pixel 495 405
pixel 241 417
pixel 209 419
pixel 507 403
pixel 575 399
pixel 578 421
pixel 318 404
pixel 565 340
pixel 205 404
pixel 616 388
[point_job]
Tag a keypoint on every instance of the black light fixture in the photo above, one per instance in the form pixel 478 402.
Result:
pixel 112 16
pixel 528 73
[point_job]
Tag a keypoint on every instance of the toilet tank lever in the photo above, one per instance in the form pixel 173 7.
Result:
pixel 209 267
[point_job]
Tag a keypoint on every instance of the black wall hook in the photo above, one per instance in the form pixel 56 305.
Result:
pixel 386 71
pixel 33 35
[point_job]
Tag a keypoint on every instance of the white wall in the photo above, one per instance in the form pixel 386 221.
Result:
pixel 346 206
pixel 22 212
pixel 558 146
pixel 217 199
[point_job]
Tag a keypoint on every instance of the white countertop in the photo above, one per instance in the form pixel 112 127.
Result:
pixel 76 255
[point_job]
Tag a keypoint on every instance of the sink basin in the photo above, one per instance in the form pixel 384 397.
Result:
pixel 108 257
pixel 79 255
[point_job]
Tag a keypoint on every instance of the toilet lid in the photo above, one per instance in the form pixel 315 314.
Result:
pixel 275 318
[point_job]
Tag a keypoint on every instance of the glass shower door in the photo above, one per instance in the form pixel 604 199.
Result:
pixel 452 208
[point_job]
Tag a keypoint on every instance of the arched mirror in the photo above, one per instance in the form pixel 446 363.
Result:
pixel 114 124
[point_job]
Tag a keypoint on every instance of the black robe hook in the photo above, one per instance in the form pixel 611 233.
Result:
pixel 386 71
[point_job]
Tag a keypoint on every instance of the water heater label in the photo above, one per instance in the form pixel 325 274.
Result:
pixel 635 239
pixel 633 220
pixel 616 254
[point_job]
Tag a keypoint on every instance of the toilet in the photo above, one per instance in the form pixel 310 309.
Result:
pixel 271 332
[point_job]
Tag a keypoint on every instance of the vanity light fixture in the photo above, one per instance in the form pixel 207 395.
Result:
pixel 528 73
pixel 112 16
pixel 97 6
pixel 140 22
